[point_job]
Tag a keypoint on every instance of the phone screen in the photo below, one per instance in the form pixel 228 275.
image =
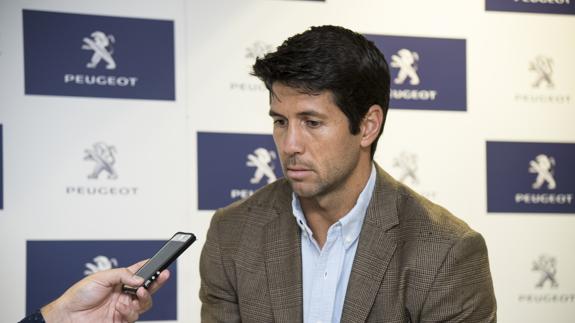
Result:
pixel 167 251
pixel 162 259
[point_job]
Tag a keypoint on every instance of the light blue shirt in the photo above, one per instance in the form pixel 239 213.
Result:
pixel 326 271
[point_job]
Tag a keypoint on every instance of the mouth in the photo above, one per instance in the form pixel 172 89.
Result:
pixel 297 172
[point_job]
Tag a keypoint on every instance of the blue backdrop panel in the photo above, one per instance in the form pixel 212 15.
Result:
pixel 53 266
pixel 530 177
pixel 426 73
pixel 542 6
pixel 98 56
pixel 232 165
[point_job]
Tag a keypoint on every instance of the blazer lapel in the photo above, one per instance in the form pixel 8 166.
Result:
pixel 283 263
pixel 377 244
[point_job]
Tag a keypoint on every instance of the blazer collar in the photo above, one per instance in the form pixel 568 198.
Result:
pixel 377 244
pixel 282 253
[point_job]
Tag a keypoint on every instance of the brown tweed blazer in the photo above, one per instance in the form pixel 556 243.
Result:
pixel 415 262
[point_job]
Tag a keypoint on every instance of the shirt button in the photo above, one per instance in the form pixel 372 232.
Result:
pixel 325 275
pixel 348 239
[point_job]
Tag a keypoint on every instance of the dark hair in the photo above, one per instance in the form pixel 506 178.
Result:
pixel 336 59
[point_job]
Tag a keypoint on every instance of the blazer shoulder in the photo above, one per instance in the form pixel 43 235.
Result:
pixel 415 215
pixel 418 215
pixel 239 228
pixel 257 208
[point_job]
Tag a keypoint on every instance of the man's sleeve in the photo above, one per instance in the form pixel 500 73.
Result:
pixel 462 290
pixel 35 317
pixel 217 293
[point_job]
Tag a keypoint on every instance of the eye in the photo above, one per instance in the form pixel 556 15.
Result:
pixel 312 123
pixel 280 122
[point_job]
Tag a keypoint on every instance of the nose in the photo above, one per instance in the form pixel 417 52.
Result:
pixel 292 142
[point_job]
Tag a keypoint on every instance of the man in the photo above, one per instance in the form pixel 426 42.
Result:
pixel 338 239
pixel 99 298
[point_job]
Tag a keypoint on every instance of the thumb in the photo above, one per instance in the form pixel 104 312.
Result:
pixel 118 276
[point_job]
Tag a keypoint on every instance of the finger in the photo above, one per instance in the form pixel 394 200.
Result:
pixel 120 275
pixel 133 268
pixel 127 277
pixel 144 300
pixel 134 280
pixel 160 281
pixel 113 277
pixel 128 312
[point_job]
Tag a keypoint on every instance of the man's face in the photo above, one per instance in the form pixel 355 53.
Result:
pixel 318 153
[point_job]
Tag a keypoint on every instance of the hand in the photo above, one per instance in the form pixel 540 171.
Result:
pixel 99 298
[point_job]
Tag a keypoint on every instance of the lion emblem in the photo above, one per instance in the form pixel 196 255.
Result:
pixel 543 66
pixel 103 156
pixel 547 266
pixel 543 167
pixel 406 61
pixel 101 44
pixel 262 159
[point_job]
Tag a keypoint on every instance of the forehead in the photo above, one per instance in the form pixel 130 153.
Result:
pixel 285 97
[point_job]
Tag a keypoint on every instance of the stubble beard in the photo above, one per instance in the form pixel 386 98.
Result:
pixel 320 186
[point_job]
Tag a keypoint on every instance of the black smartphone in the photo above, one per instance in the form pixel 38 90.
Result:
pixel 162 259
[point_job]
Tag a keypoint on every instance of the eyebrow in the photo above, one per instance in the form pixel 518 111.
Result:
pixel 308 113
pixel 274 114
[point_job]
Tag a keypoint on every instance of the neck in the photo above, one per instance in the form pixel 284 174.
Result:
pixel 323 211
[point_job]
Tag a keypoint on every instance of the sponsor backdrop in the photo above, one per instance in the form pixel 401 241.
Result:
pixel 122 123
pixel 53 265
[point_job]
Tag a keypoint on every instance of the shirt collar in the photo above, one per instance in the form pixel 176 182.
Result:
pixel 350 223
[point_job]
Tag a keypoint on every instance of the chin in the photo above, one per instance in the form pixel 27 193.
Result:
pixel 305 192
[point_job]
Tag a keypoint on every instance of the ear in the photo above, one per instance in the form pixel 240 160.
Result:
pixel 371 125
